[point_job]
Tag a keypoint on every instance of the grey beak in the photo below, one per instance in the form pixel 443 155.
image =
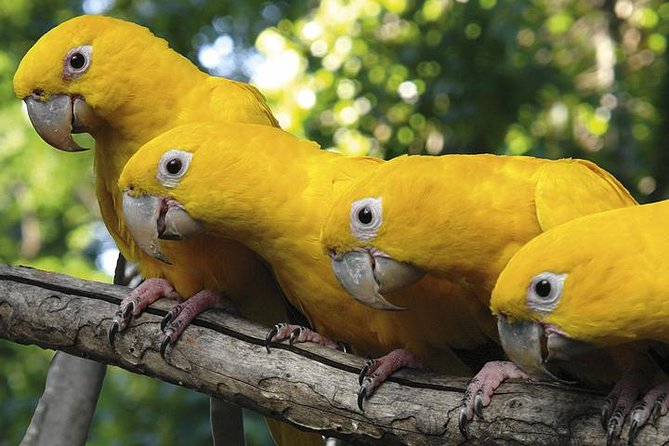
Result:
pixel 365 277
pixel 142 214
pixel 56 119
pixel 522 342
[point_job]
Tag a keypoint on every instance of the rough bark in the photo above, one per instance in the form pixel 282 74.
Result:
pixel 307 385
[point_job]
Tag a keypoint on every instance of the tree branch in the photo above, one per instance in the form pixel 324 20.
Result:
pixel 307 385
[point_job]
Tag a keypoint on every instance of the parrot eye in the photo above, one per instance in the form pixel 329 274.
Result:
pixel 542 288
pixel 77 61
pixel 545 291
pixel 366 218
pixel 365 215
pixel 172 166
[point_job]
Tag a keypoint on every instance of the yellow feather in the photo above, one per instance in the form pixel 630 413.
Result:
pixel 617 285
pixel 274 196
pixel 464 216
pixel 139 88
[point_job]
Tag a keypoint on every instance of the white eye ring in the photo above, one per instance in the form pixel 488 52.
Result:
pixel 366 218
pixel 77 61
pixel 545 291
pixel 172 166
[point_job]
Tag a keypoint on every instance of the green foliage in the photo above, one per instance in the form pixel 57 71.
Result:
pixel 386 77
pixel 441 76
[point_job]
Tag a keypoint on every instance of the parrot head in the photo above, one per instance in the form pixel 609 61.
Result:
pixel 65 78
pixel 556 296
pixel 361 236
pixel 196 178
pixel 155 182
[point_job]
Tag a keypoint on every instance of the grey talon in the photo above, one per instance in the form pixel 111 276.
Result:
pixel 604 415
pixel 166 320
pixel 270 336
pixel 166 343
pixel 126 312
pixel 462 423
pixel 655 412
pixel 478 405
pixel 111 333
pixel 294 335
pixel 363 371
pixel 612 431
pixel 634 431
pixel 362 394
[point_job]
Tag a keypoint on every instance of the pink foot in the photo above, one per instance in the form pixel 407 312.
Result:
pixel 179 317
pixel 482 387
pixel 619 401
pixel 296 333
pixel 653 405
pixel 134 303
pixel 376 371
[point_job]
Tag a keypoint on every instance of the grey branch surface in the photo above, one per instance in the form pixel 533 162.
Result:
pixel 307 385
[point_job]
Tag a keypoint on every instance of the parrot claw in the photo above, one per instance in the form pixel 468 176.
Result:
pixel 270 334
pixel 122 317
pixel 170 316
pixel 375 371
pixel 111 333
pixel 167 341
pixel 606 411
pixel 482 387
pixel 478 404
pixel 614 425
pixel 294 335
pixel 650 407
pixel 635 427
pixel 134 303
pixel 657 410
pixel 364 391
pixel 365 368
pixel 342 346
pixel 126 313
pixel 463 423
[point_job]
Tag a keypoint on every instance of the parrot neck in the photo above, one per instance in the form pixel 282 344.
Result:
pixel 263 208
pixel 484 203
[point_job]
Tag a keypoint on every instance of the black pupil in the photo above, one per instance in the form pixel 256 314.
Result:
pixel 543 288
pixel 174 166
pixel 365 215
pixel 77 61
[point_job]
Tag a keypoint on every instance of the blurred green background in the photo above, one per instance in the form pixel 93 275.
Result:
pixel 584 78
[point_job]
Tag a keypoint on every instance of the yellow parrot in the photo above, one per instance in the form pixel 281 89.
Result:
pixel 123 85
pixel 274 196
pixel 459 217
pixel 600 281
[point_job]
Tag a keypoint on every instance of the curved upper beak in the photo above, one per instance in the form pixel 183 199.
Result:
pixel 150 218
pixel 58 117
pixel 526 344
pixel 365 275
